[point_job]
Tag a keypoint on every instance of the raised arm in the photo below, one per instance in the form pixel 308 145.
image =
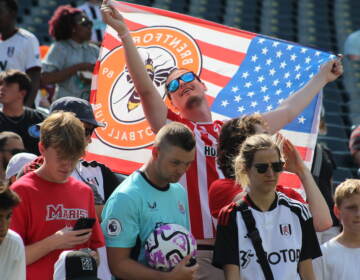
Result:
pixel 296 103
pixel 317 204
pixel 154 107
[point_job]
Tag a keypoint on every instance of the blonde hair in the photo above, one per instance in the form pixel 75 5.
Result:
pixel 65 133
pixel 244 160
pixel 345 190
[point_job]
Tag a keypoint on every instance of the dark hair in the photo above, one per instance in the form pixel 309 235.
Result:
pixel 11 4
pixel 175 134
pixel 17 77
pixel 8 198
pixel 6 135
pixel 62 22
pixel 233 133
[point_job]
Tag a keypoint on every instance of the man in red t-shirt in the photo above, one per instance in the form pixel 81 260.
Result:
pixel 52 201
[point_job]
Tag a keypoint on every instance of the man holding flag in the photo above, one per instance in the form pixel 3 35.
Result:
pixel 187 93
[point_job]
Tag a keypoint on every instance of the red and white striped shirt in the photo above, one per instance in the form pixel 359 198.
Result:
pixel 201 173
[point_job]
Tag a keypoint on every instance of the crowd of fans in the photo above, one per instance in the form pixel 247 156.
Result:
pixel 47 185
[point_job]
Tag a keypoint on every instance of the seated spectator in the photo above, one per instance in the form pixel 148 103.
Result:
pixel 47 225
pixel 12 252
pixel 16 164
pixel 283 225
pixel 341 255
pixel 19 48
pixel 223 191
pixel 354 145
pixel 15 116
pixel 71 59
pixel 10 145
pixel 352 46
pixel 92 10
pixel 75 265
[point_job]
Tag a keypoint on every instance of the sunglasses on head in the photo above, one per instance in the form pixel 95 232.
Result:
pixel 175 84
pixel 89 131
pixel 263 167
pixel 14 151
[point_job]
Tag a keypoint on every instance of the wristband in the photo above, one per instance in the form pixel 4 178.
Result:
pixel 123 36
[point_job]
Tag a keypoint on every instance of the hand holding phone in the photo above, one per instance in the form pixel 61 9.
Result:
pixel 84 223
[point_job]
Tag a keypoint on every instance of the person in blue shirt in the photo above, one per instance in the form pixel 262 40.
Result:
pixel 148 198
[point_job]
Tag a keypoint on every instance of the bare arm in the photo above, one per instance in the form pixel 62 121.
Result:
pixel 296 103
pixel 62 239
pixel 64 74
pixel 317 204
pixel 306 270
pixel 154 107
pixel 231 272
pixel 122 266
pixel 34 74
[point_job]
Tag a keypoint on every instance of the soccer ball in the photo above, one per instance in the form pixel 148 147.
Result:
pixel 167 245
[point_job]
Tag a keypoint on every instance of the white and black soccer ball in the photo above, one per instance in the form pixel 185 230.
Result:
pixel 167 245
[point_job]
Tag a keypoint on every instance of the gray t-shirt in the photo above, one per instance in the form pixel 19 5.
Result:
pixel 66 53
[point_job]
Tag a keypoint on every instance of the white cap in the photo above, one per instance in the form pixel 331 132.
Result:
pixel 17 162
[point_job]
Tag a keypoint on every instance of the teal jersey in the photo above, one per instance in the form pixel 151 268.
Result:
pixel 137 207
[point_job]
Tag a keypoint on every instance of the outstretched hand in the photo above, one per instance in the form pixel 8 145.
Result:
pixel 112 17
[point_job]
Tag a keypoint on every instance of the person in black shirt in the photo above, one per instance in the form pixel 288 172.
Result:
pixel 15 116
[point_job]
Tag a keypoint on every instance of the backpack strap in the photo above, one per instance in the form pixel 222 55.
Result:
pixel 255 238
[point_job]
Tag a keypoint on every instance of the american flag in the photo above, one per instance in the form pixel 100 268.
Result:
pixel 243 71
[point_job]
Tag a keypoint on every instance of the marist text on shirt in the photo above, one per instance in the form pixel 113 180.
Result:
pixel 59 212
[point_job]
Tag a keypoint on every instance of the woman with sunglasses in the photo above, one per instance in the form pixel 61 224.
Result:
pixel 71 59
pixel 284 225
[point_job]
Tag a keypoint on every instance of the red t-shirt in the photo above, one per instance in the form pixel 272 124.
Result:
pixel 47 207
pixel 223 191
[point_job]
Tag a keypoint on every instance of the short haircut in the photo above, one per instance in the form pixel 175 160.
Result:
pixel 5 136
pixel 245 159
pixel 233 133
pixel 13 76
pixel 345 190
pixel 8 198
pixel 175 134
pixel 65 133
pixel 11 4
pixel 62 22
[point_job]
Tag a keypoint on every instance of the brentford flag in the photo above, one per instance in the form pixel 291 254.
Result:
pixel 244 73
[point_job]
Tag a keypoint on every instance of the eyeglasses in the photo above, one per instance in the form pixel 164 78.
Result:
pixel 263 167
pixel 14 151
pixel 84 21
pixel 186 78
pixel 89 131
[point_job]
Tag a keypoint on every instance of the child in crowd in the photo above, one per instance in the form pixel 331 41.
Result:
pixel 341 255
pixel 12 252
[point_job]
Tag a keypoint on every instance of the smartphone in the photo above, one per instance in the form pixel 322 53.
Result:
pixel 84 223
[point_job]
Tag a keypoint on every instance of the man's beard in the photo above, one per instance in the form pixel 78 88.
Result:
pixel 193 101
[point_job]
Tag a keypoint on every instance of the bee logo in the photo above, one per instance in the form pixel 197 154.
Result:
pixel 162 48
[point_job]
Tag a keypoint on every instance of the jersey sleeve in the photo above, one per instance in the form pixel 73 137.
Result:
pixel 310 245
pixel 120 221
pixel 226 249
pixel 32 53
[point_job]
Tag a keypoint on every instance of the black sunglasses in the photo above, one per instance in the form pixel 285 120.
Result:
pixel 89 131
pixel 14 151
pixel 263 167
pixel 84 21
pixel 186 78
